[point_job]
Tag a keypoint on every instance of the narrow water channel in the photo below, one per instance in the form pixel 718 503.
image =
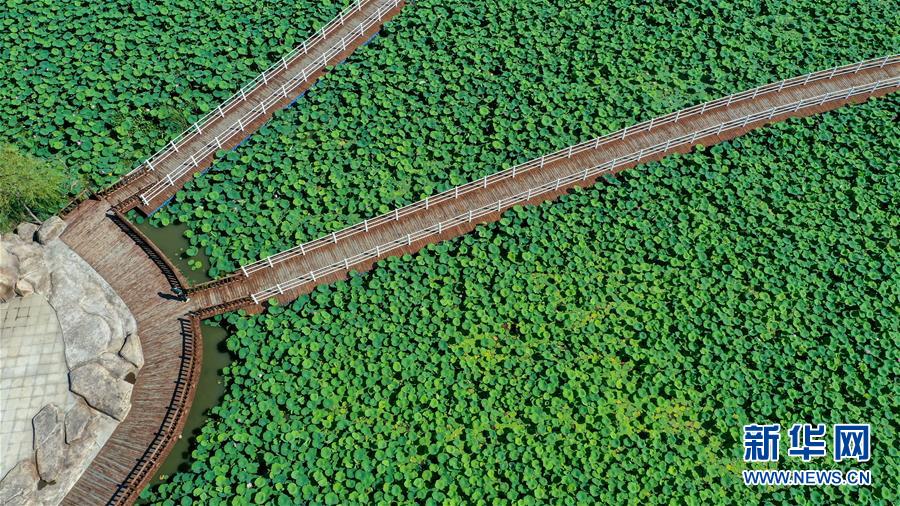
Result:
pixel 171 241
pixel 209 393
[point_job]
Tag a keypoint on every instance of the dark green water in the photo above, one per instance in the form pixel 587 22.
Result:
pixel 173 243
pixel 209 393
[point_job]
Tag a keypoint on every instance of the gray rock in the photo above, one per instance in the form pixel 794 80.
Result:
pixel 9 272
pixel 49 442
pixel 86 336
pixel 24 288
pixel 78 419
pixel 50 230
pixel 19 484
pixel 26 231
pixel 25 252
pixel 101 389
pixel 51 456
pixel 39 280
pixel 116 365
pixel 131 350
pixel 45 423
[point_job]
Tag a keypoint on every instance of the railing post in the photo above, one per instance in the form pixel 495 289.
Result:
pixel 884 62
pixel 174 146
pixel 198 129
pixel 396 214
pixel 409 239
pixel 241 124
pixel 302 251
pixel 244 269
pixel 570 152
pixel 221 114
pixel 470 216
pixel 334 237
pixel 781 86
pixel 284 62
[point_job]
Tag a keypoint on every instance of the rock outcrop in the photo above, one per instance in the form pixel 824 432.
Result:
pixel 50 230
pixel 102 390
pixel 102 351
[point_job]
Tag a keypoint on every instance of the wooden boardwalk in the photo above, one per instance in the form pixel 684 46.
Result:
pixel 164 387
pixel 236 291
pixel 148 189
pixel 169 328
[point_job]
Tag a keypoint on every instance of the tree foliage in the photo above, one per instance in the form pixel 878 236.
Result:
pixel 605 349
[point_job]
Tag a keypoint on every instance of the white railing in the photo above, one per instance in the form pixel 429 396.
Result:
pixel 634 157
pixel 181 142
pixel 595 143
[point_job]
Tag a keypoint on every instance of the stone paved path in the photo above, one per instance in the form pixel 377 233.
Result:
pixel 33 373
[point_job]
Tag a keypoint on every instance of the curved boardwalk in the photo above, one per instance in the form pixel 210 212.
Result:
pixel 163 390
pixel 156 180
pixel 287 275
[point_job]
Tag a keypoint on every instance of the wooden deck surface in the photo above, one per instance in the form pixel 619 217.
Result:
pixel 139 281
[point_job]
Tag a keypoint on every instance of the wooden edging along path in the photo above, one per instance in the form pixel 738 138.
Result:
pixel 169 328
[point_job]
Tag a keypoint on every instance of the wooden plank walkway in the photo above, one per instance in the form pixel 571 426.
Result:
pixel 235 291
pixel 163 390
pixel 148 189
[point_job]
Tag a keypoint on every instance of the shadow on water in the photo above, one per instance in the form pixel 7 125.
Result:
pixel 171 240
pixel 210 390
